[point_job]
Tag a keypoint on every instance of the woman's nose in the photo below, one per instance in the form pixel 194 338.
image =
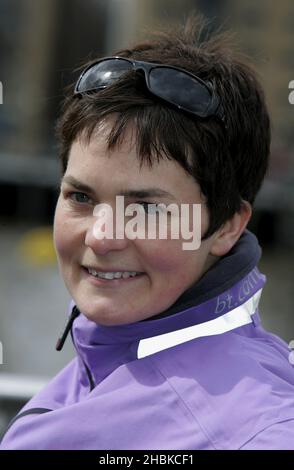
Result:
pixel 103 235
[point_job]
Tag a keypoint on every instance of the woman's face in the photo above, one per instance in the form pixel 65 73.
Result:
pixel 166 269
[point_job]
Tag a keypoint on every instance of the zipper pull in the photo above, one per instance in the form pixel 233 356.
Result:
pixel 61 340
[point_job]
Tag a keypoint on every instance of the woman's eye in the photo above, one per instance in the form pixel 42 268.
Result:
pixel 81 198
pixel 149 207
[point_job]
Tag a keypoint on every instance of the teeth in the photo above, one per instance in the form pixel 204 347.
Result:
pixel 108 275
pixel 112 275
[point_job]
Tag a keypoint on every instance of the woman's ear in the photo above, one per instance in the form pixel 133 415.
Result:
pixel 230 232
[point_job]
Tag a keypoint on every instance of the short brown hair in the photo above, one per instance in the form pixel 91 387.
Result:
pixel 228 164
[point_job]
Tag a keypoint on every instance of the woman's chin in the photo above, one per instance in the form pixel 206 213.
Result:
pixel 106 315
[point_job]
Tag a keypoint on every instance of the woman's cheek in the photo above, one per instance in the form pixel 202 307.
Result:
pixel 62 232
pixel 61 242
pixel 162 256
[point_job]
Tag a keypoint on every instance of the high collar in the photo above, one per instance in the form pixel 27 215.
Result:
pixel 231 282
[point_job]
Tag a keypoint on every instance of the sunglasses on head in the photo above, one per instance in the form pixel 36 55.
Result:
pixel 174 85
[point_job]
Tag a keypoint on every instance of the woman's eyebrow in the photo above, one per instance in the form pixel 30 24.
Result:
pixel 146 192
pixel 138 193
pixel 77 184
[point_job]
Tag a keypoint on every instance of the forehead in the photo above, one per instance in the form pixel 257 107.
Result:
pixel 121 167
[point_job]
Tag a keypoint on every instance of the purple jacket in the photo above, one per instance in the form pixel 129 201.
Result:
pixel 202 375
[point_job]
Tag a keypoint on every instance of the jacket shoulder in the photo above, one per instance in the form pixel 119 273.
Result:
pixel 234 385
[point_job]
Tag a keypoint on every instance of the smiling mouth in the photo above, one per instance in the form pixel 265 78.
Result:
pixel 112 275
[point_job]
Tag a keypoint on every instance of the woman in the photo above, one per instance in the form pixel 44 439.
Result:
pixel 170 350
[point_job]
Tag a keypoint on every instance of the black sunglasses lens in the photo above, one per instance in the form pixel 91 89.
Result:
pixel 172 85
pixel 103 74
pixel 180 89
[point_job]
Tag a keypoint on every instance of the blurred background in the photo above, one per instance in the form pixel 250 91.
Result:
pixel 41 43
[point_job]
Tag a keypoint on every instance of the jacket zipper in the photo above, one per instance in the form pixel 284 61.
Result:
pixel 88 373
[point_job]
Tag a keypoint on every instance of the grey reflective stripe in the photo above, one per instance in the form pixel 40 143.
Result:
pixel 237 317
